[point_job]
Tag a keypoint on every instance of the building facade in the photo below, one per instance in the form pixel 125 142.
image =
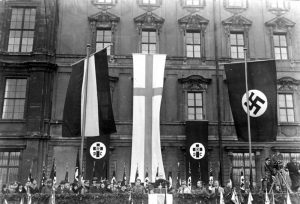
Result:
pixel 39 43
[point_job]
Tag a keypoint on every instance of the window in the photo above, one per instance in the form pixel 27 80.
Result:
pixel 148 42
pixel 280 46
pixel 104 1
pixel 237 45
pixel 21 32
pixel 278 4
pixel 238 4
pixel 286 108
pixel 14 99
pixel 195 106
pixel 287 157
pixel 241 162
pixel 192 2
pixel 193 44
pixel 103 40
pixel 149 2
pixel 9 166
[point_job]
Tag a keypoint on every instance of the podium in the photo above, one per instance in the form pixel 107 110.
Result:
pixel 160 198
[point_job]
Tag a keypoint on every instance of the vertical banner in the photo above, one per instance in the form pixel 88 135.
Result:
pixel 196 150
pixel 148 78
pixel 98 119
pixel 262 83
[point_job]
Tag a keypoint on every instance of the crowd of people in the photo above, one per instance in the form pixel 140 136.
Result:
pixel 274 179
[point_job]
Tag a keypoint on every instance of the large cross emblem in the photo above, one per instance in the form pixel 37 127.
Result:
pixel 97 150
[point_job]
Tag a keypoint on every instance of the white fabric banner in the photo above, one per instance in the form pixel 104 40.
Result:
pixel 89 94
pixel 146 149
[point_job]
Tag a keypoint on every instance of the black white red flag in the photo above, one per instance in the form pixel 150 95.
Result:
pixel 88 110
pixel 262 99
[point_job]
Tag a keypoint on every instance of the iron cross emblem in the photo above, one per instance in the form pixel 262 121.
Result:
pixel 98 150
pixel 197 151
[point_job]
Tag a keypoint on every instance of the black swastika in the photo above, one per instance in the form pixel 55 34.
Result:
pixel 253 103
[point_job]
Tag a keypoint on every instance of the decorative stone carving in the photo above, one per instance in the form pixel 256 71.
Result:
pixel 236 22
pixel 280 24
pixel 280 8
pixel 236 9
pixel 193 8
pixel 149 20
pixel 103 5
pixel 193 22
pixel 103 20
pixel 288 84
pixel 195 83
pixel 149 6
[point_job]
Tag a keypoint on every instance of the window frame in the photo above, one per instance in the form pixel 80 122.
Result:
pixel 280 47
pixel 148 43
pixel 195 107
pixel 104 42
pixel 286 108
pixel 7 167
pixel 236 170
pixel 22 30
pixel 25 99
pixel 193 44
pixel 237 46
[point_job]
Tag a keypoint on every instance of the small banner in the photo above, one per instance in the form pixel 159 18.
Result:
pixel 262 89
pixel 196 150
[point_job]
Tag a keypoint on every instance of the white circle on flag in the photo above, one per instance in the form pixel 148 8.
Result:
pixel 258 103
pixel 197 150
pixel 98 150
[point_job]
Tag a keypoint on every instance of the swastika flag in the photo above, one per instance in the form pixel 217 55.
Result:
pixel 262 99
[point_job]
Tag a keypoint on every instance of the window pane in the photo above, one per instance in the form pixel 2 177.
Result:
pixel 289 100
pixel 197 38
pixel 240 39
pixel 189 38
pixel 281 100
pixel 282 40
pixel 290 113
pixel 283 116
pixel 276 40
pixel 233 40
pixel 191 96
pixel 9 164
pixel 234 52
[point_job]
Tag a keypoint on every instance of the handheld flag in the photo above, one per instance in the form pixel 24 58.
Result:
pixel 124 176
pixel 170 179
pixel 113 179
pixel 262 83
pixel 29 179
pixel 242 184
pixel 44 178
pixel 148 80
pixel 189 180
pixel 77 169
pixel 136 173
pixel 231 176
pixel 267 200
pixel 222 198
pixel 234 197
pixel 53 172
pixel 288 198
pixel 178 178
pixel 67 173
pixel 211 177
pixel 146 177
pixel 157 174
pixel 250 198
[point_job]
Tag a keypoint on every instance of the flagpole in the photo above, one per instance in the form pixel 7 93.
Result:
pixel 248 116
pixel 84 109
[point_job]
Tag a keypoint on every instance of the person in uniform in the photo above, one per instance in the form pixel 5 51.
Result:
pixel 183 188
pixel 294 172
pixel 138 188
pixel 270 172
